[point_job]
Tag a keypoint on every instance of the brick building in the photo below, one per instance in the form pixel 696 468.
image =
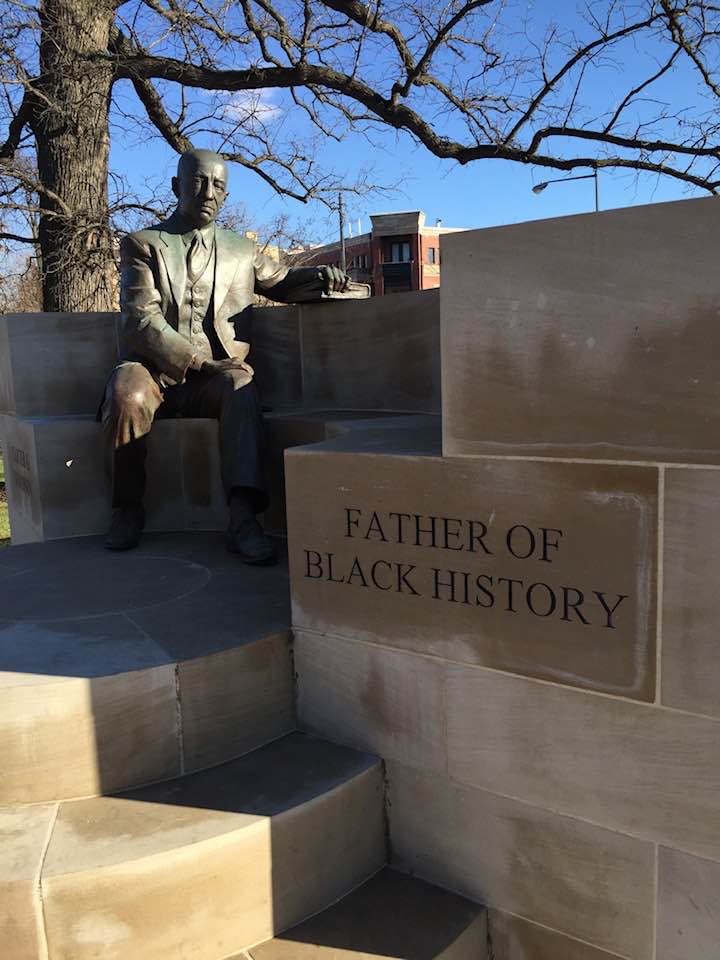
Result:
pixel 399 254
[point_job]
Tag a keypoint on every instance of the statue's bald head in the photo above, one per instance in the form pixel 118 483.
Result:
pixel 200 186
pixel 189 161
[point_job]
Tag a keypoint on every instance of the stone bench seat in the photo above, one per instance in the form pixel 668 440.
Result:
pixel 57 485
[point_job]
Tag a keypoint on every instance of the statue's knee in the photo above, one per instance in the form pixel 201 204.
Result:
pixel 135 402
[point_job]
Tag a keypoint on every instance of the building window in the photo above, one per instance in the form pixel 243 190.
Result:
pixel 431 254
pixel 400 252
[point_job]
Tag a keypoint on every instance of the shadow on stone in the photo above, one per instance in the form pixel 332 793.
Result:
pixel 392 915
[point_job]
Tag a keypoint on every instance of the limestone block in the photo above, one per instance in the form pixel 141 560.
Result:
pixel 513 938
pixel 539 568
pixel 275 355
pixel 390 916
pixel 282 431
pixel 57 485
pixel 215 862
pixel 24 832
pixel 376 354
pixel 166 492
pixel 75 736
pixel 21 479
pixel 688 908
pixel 386 701
pixel 642 769
pixel 691 601
pixel 585 336
pixel 204 497
pixel 55 364
pixel 235 700
pixel 587 882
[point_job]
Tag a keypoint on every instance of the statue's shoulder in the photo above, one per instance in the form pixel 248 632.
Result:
pixel 147 237
pixel 151 233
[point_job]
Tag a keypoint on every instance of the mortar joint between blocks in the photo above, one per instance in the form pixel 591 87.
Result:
pixel 179 719
pixel 295 680
pixel 660 585
pixel 41 920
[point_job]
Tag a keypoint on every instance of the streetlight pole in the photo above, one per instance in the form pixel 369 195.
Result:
pixel 539 187
pixel 341 215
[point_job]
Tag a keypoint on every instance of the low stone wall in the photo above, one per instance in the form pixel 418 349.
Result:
pixel 525 628
pixel 592 336
pixel 377 354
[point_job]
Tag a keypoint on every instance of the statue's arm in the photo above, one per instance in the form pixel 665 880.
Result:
pixel 290 284
pixel 145 329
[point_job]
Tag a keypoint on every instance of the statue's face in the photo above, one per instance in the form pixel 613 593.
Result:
pixel 201 189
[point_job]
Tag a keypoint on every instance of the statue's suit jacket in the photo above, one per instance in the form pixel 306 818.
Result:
pixel 155 329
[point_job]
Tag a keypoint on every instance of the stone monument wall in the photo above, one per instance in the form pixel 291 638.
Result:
pixel 525 625
pixel 376 354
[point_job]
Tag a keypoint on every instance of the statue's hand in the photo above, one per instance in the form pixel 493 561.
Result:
pixel 228 363
pixel 333 279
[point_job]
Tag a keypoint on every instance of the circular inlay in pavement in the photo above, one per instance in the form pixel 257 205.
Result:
pixel 89 586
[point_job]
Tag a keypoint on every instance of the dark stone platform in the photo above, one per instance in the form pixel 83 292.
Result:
pixel 71 608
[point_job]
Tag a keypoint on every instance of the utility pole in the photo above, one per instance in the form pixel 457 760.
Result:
pixel 597 191
pixel 341 214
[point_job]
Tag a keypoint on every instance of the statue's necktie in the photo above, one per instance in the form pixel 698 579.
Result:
pixel 197 257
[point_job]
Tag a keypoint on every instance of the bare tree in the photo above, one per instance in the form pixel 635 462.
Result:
pixel 469 80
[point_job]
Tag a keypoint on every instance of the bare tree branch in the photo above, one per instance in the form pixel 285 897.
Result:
pixel 401 116
pixel 16 127
pixel 601 42
pixel 269 82
pixel 16 238
pixel 150 98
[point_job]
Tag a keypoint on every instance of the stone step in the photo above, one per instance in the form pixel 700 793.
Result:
pixel 203 866
pixel 390 916
pixel 57 486
pixel 118 669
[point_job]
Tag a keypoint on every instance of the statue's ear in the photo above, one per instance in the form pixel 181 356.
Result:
pixel 175 187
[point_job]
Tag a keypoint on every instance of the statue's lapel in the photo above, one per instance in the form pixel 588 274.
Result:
pixel 172 250
pixel 226 265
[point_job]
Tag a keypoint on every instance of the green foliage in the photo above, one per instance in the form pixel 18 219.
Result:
pixel 4 526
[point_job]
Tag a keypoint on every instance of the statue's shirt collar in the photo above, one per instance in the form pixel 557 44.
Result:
pixel 206 234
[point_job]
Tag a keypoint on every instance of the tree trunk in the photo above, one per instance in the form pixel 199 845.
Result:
pixel 73 142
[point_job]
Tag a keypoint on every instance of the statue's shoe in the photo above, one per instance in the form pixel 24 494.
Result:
pixel 126 528
pixel 251 544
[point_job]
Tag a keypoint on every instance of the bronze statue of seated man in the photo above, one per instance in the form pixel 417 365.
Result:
pixel 184 283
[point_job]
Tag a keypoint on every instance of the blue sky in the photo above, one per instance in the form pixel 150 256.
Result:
pixel 485 193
